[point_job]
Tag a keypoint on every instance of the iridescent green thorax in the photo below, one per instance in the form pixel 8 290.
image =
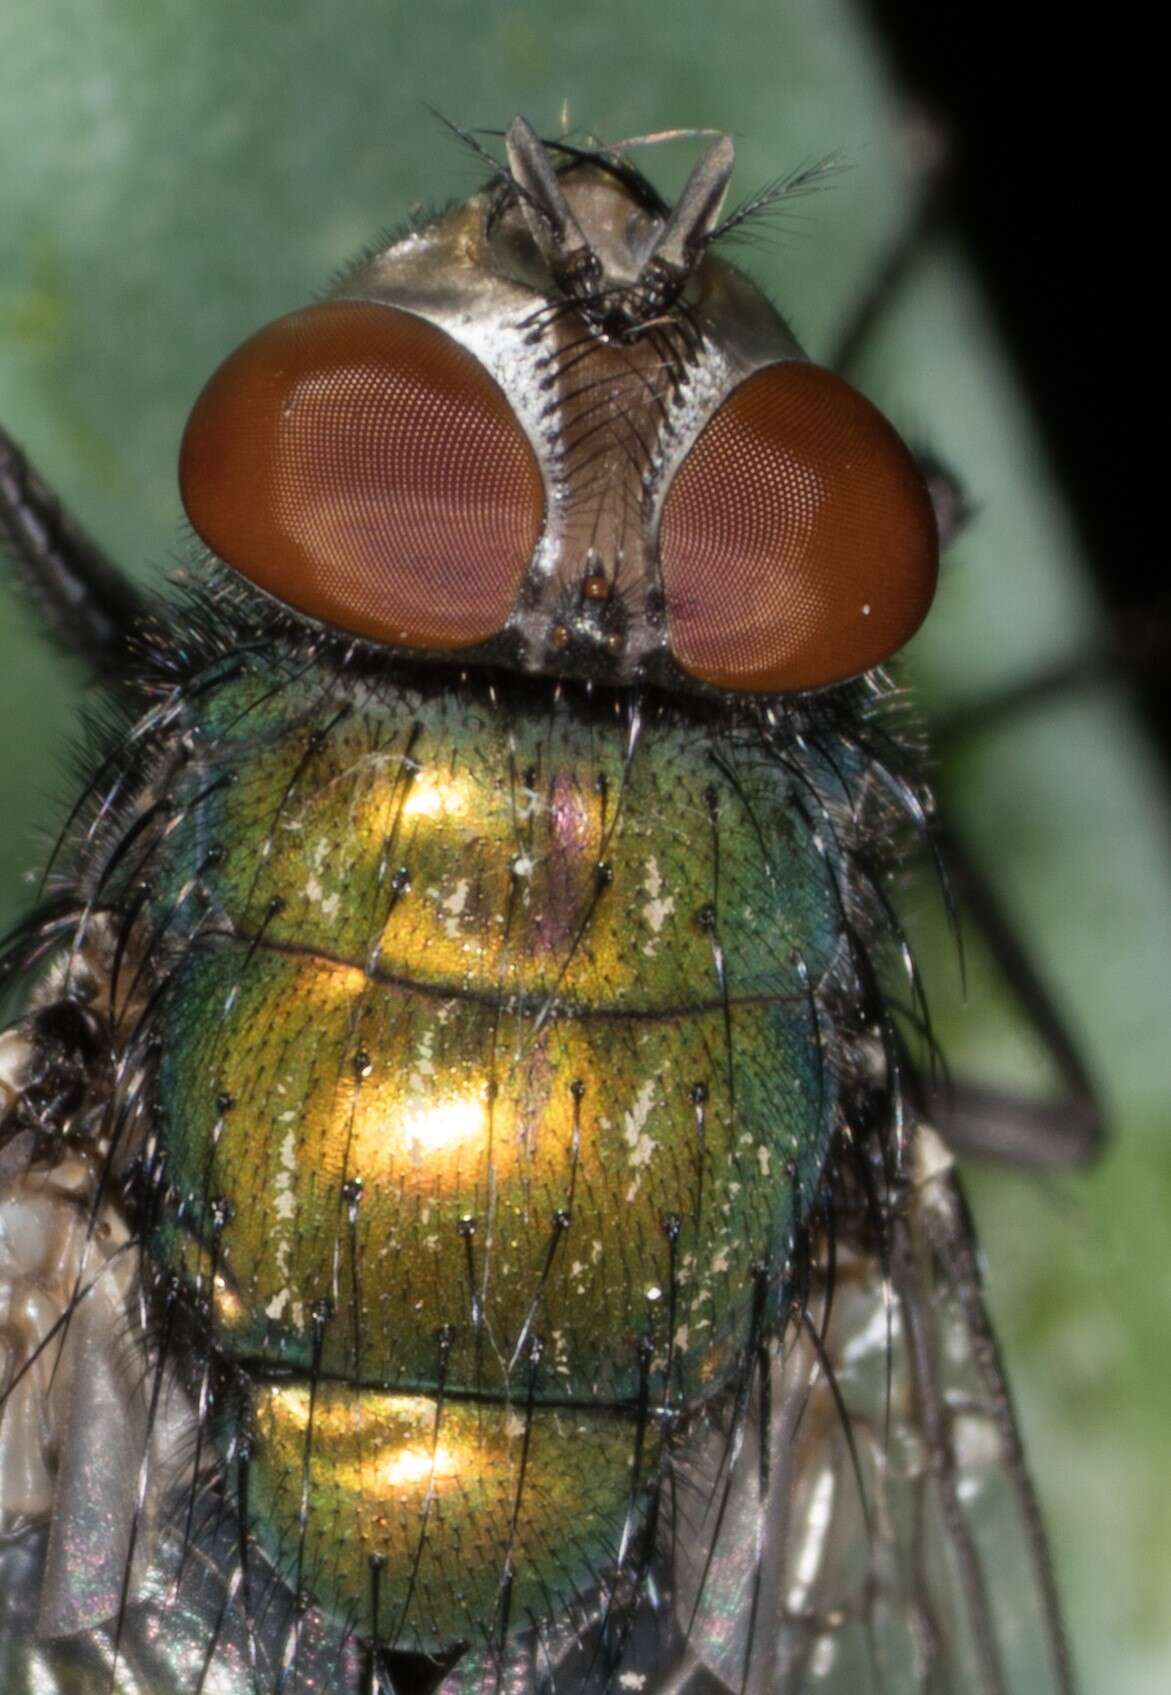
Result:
pixel 498 1061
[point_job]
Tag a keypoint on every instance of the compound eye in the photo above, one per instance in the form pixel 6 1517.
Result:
pixel 797 541
pixel 360 465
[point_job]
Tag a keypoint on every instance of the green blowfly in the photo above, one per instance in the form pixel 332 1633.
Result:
pixel 468 1221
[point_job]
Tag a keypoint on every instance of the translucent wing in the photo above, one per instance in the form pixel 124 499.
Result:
pixel 885 1535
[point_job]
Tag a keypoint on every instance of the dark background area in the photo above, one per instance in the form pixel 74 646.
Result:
pixel 1050 185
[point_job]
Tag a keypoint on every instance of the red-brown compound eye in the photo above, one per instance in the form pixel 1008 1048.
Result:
pixel 359 464
pixel 797 542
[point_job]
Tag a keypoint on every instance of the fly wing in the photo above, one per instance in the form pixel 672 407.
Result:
pixel 874 1527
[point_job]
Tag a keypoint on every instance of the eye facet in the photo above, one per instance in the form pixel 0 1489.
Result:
pixel 357 463
pixel 797 542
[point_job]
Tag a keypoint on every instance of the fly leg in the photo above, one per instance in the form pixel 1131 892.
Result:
pixel 995 1123
pixel 973 1117
pixel 84 601
pixel 1132 646
pixel 926 219
pixel 927 200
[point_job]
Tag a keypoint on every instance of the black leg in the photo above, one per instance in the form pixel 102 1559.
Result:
pixel 927 171
pixel 86 604
pixel 994 1123
pixel 1070 1130
pixel 1134 644
pixel 927 213
pixel 974 1117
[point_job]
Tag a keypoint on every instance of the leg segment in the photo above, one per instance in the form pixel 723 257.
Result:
pixel 84 601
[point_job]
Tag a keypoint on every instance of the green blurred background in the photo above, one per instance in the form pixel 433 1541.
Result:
pixel 172 176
